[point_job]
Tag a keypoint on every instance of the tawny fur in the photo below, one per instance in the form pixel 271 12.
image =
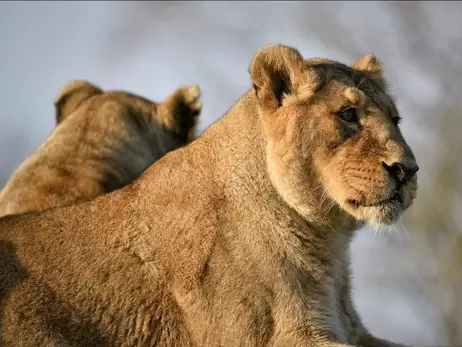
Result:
pixel 240 238
pixel 102 142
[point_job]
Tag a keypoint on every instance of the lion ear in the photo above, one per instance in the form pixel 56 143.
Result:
pixel 372 67
pixel 276 71
pixel 71 96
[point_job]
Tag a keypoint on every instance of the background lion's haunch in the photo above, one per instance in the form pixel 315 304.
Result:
pixel 407 285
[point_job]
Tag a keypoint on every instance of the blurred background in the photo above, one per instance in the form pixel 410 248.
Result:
pixel 408 280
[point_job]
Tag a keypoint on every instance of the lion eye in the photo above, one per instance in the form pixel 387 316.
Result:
pixel 348 115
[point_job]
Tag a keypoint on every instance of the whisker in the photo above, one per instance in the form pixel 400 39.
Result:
pixel 405 230
pixel 396 231
pixel 321 185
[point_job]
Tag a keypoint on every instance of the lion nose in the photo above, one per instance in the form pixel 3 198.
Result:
pixel 402 172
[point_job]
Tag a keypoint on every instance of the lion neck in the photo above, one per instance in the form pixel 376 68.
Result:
pixel 240 146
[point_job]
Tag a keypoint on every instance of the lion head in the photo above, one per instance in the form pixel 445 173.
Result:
pixel 333 135
pixel 174 119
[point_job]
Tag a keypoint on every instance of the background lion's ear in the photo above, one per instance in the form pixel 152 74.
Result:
pixel 71 96
pixel 372 67
pixel 276 70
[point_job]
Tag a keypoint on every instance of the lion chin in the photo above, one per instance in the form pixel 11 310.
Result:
pixel 381 212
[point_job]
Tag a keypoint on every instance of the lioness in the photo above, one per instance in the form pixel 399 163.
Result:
pixel 103 141
pixel 239 238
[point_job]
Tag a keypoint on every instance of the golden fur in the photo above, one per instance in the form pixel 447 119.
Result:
pixel 103 141
pixel 240 238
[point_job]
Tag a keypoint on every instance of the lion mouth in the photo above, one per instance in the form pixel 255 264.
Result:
pixel 395 198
